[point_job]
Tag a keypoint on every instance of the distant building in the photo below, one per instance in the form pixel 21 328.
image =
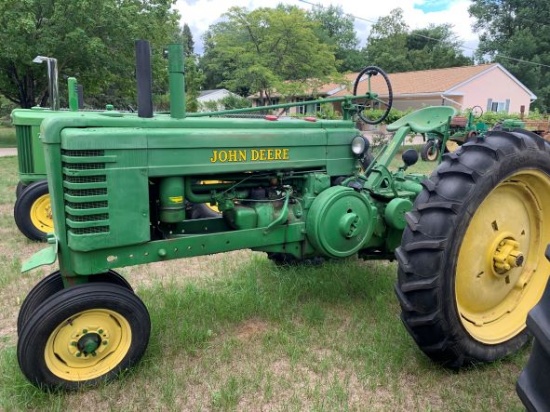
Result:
pixel 489 86
pixel 216 95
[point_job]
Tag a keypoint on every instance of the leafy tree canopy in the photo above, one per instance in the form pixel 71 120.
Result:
pixel 92 40
pixel 516 34
pixel 395 48
pixel 256 51
pixel 336 28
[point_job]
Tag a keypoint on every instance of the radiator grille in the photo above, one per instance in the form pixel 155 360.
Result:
pixel 85 193
pixel 23 135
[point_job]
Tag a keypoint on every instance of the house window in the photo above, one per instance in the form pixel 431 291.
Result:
pixel 307 108
pixel 498 106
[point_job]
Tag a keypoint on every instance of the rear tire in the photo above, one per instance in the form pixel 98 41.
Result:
pixel 471 261
pixel 32 211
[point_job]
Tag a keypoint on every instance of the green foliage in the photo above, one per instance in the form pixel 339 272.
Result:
pixel 393 47
pixel 91 39
pixel 393 115
pixel 327 112
pixel 515 34
pixel 235 102
pixel 336 29
pixel 256 51
pixel 492 118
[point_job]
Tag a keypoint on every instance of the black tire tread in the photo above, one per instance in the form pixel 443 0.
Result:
pixel 22 207
pixel 449 198
pixel 35 332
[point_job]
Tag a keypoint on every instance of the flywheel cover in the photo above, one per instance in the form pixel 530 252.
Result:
pixel 340 222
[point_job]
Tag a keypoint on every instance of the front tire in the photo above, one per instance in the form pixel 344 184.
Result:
pixel 53 283
pixel 83 336
pixel 471 262
pixel 33 212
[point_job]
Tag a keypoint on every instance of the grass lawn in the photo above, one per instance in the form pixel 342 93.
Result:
pixel 7 137
pixel 235 332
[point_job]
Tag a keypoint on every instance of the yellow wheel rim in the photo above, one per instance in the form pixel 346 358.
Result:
pixel 501 269
pixel 41 214
pixel 432 153
pixel 88 345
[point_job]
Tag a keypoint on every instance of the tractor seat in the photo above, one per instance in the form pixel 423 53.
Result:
pixel 424 120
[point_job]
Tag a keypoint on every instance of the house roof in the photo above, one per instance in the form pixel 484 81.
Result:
pixel 207 92
pixel 435 81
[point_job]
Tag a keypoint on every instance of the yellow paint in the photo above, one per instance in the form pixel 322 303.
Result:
pixel 501 268
pixel 65 360
pixel 252 155
pixel 41 214
pixel 176 199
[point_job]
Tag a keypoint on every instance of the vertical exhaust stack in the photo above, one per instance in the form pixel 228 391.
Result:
pixel 73 94
pixel 144 79
pixel 53 87
pixel 176 65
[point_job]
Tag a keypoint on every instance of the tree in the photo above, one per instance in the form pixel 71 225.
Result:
pixel 336 29
pixel 387 43
pixel 256 51
pixel 395 48
pixel 515 34
pixel 91 39
pixel 435 47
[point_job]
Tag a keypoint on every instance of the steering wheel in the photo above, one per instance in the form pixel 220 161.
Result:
pixel 477 112
pixel 370 78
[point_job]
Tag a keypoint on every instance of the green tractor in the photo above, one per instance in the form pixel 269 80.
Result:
pixel 469 239
pixel 32 210
pixel 447 139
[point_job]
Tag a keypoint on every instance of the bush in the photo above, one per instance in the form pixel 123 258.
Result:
pixel 393 115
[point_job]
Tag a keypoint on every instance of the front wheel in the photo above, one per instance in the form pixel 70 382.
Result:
pixel 83 336
pixel 52 284
pixel 430 151
pixel 471 262
pixel 33 212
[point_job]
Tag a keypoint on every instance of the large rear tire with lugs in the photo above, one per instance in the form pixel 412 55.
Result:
pixel 471 261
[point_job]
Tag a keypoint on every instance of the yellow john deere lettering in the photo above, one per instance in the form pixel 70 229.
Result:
pixel 253 155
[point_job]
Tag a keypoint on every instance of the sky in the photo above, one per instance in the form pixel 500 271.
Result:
pixel 200 14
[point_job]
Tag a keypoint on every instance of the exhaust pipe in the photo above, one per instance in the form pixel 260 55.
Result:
pixel 53 88
pixel 144 79
pixel 176 65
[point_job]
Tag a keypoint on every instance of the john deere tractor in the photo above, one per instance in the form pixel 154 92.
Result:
pixel 469 239
pixel 32 210
pixel 459 130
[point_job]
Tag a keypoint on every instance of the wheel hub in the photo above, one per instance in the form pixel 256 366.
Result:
pixel 507 256
pixel 89 343
pixel 85 342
